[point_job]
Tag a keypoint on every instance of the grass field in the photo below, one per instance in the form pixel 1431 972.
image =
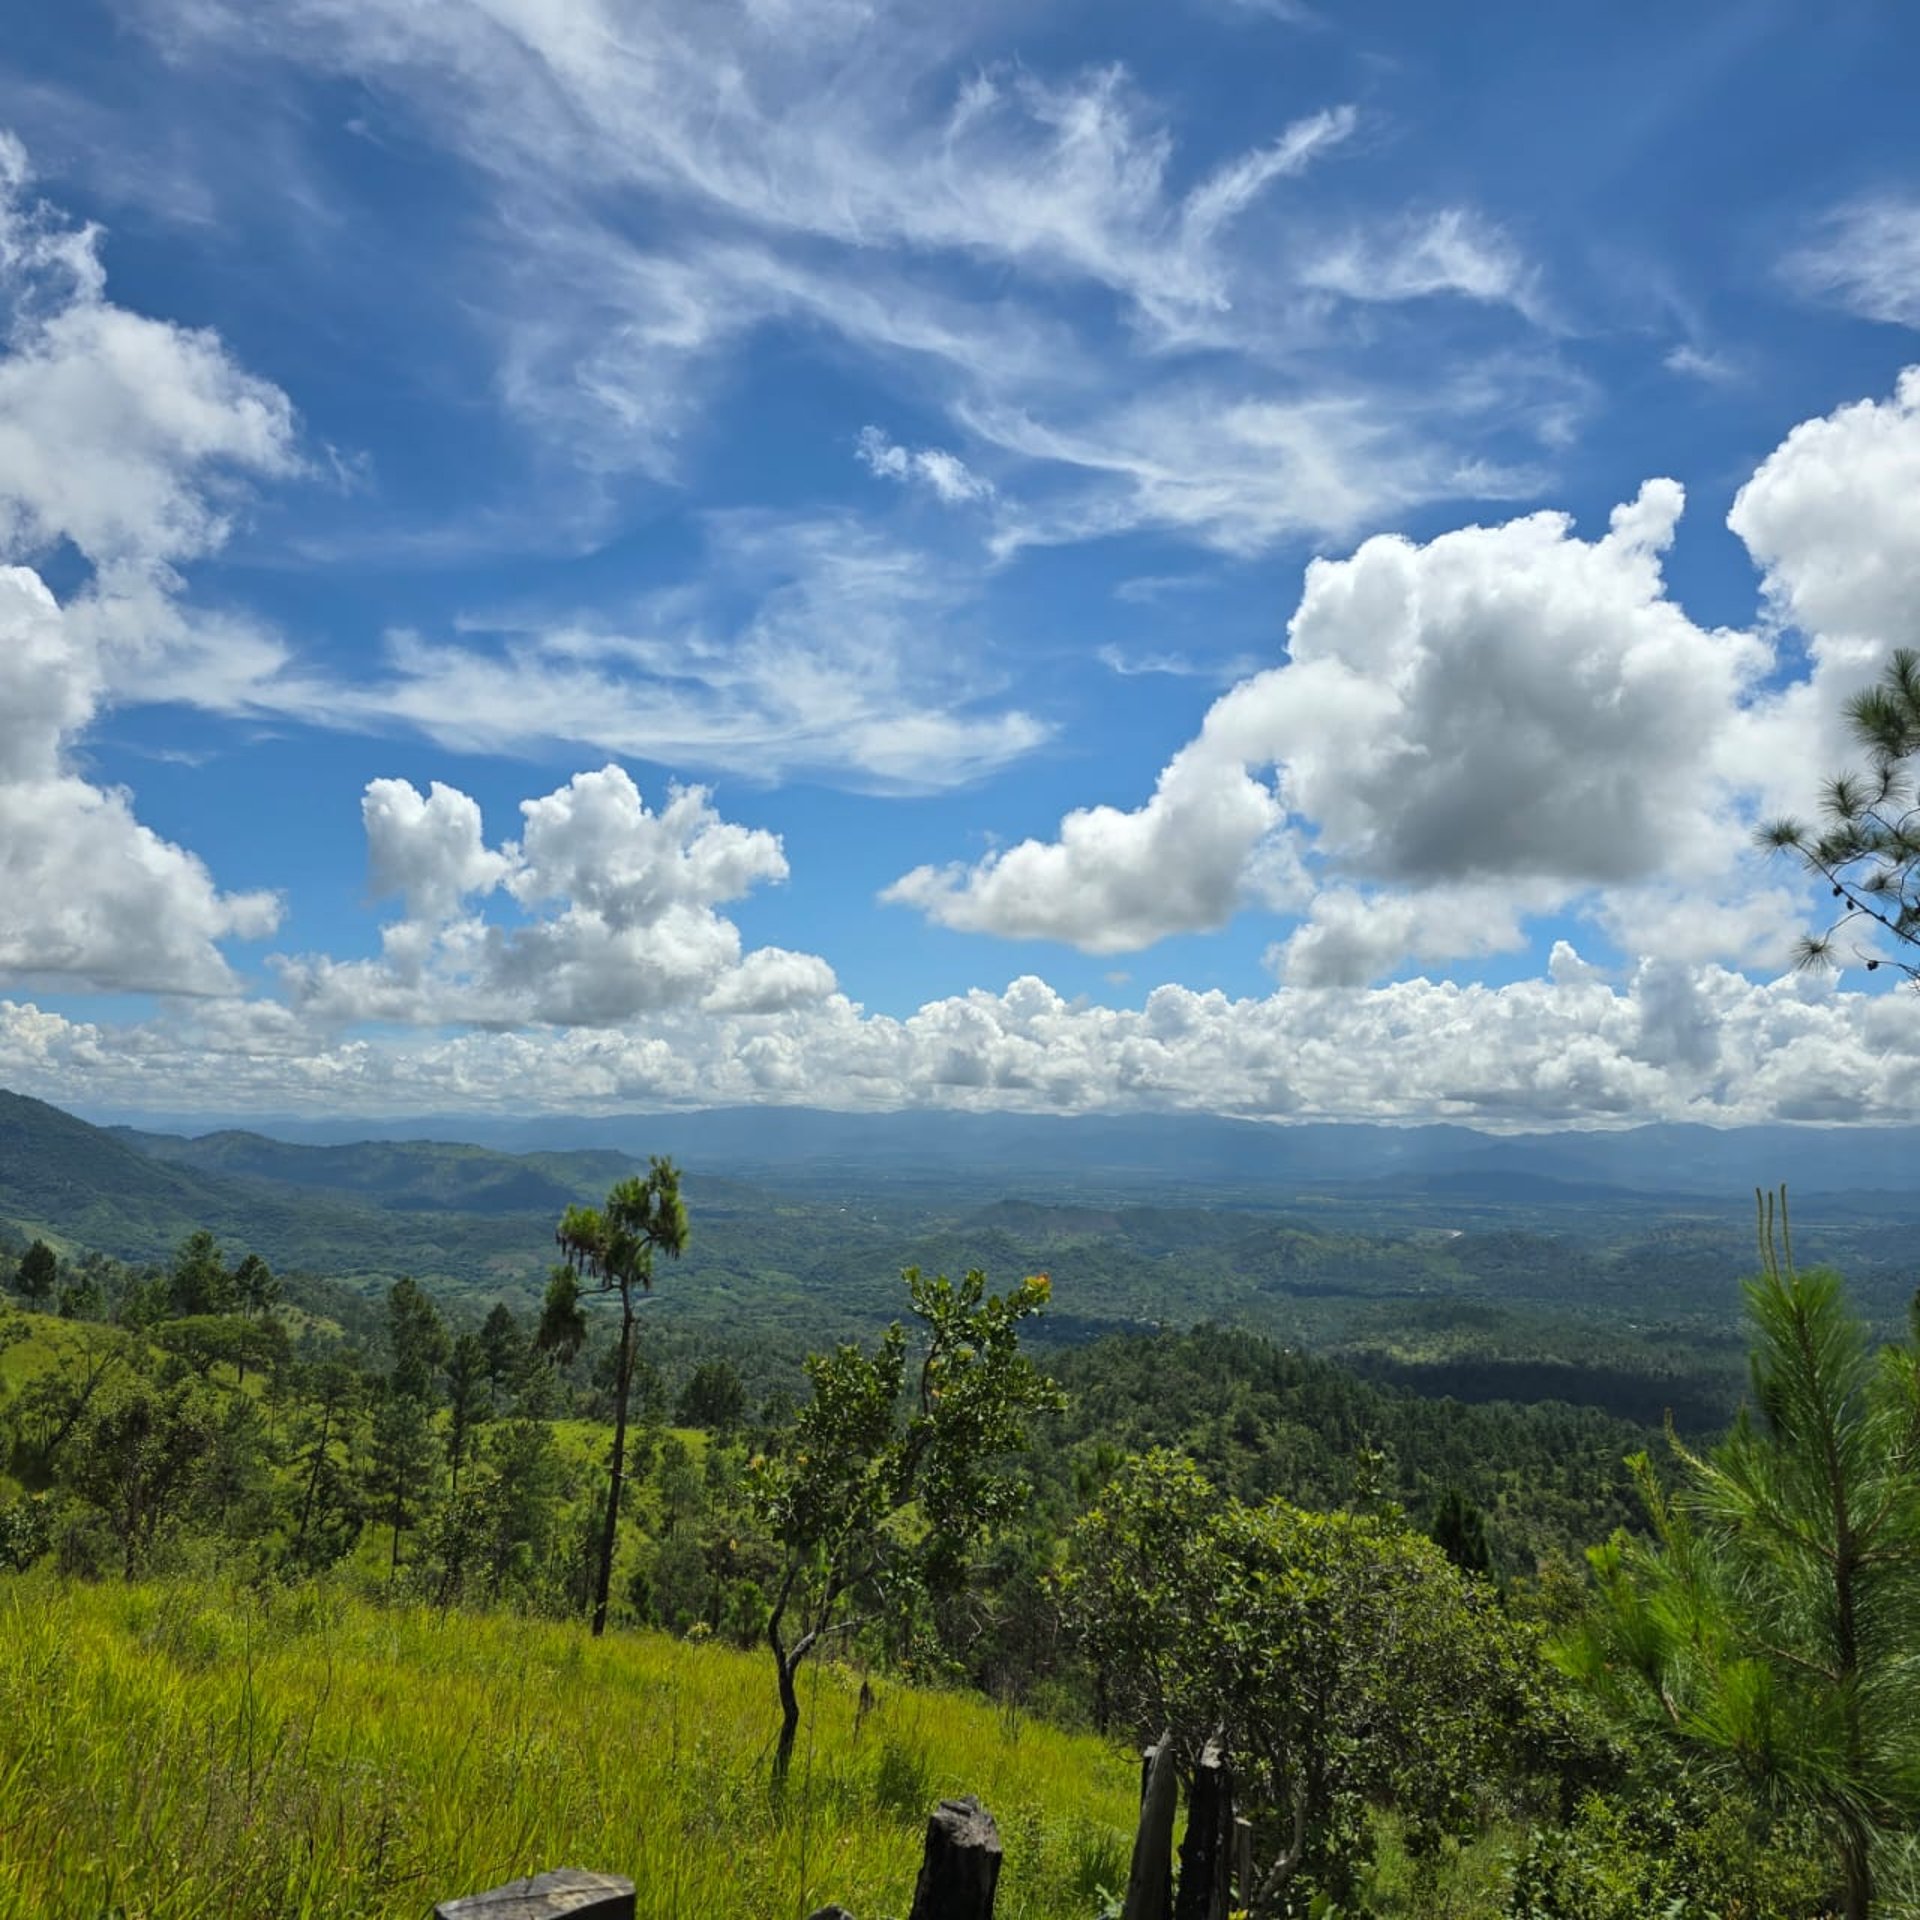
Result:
pixel 185 1749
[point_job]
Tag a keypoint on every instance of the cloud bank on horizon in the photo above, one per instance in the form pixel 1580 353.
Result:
pixel 785 515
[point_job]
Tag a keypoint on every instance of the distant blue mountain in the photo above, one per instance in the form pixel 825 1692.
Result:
pixel 1723 1164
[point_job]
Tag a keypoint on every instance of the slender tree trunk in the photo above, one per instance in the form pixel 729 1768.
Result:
pixel 1856 1861
pixel 605 1579
pixel 313 1479
pixel 789 1722
pixel 786 1666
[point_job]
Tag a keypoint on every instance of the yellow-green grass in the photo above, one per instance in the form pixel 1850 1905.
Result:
pixel 31 1343
pixel 590 1442
pixel 185 1749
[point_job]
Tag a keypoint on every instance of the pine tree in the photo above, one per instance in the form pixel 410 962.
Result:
pixel 469 1403
pixel 1867 847
pixel 1770 1626
pixel 39 1268
pixel 613 1248
pixel 401 1461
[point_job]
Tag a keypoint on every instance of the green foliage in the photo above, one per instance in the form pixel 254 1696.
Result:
pixel 417 1341
pixel 139 1451
pixel 1867 847
pixel 209 1340
pixel 1261 1419
pixel 322 1492
pixel 1673 1848
pixel 563 1322
pixel 715 1397
pixel 1769 1628
pixel 399 1464
pixel 254 1285
pixel 1460 1532
pixel 198 1283
pixel 1341 1661
pixel 469 1400
pixel 26 1531
pixel 38 1270
pixel 914 1509
pixel 614 1247
pixel 867 1509
pixel 505 1344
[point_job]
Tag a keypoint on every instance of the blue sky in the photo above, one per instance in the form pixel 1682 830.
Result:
pixel 1064 496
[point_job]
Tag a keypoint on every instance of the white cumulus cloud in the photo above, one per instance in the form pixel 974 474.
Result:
pixel 619 913
pixel 1667 1041
pixel 88 896
pixel 1496 720
pixel 126 439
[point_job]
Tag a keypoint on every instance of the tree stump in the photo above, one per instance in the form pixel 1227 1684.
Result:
pixel 961 1866
pixel 1150 1879
pixel 1206 1854
pixel 571 1891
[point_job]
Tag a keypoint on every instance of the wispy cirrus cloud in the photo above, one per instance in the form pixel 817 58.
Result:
pixel 1865 256
pixel 1038 254
pixel 841 671
pixel 945 474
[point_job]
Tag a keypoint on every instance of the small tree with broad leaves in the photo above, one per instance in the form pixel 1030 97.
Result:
pixel 866 1507
pixel 1339 1662
pixel 1867 845
pixel 612 1249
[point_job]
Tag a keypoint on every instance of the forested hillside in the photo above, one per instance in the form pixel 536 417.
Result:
pixel 268 1466
pixel 218 1371
pixel 1618 1301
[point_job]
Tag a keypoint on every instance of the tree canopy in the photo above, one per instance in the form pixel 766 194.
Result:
pixel 1866 845
pixel 612 1249
pixel 1769 1627
pixel 868 1508
pixel 1339 1660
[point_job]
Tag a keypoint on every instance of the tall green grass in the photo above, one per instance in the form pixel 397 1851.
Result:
pixel 186 1749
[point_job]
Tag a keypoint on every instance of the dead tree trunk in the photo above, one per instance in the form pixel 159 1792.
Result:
pixel 1150 1881
pixel 1206 1854
pixel 961 1866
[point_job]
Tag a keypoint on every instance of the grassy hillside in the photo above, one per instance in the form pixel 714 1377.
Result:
pixel 177 1752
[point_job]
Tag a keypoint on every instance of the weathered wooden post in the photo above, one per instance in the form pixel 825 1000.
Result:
pixel 571 1891
pixel 961 1866
pixel 1206 1854
pixel 1150 1879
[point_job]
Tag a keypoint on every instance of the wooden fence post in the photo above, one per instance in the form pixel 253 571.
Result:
pixel 568 1891
pixel 961 1866
pixel 1150 1879
pixel 1206 1854
pixel 1243 1862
